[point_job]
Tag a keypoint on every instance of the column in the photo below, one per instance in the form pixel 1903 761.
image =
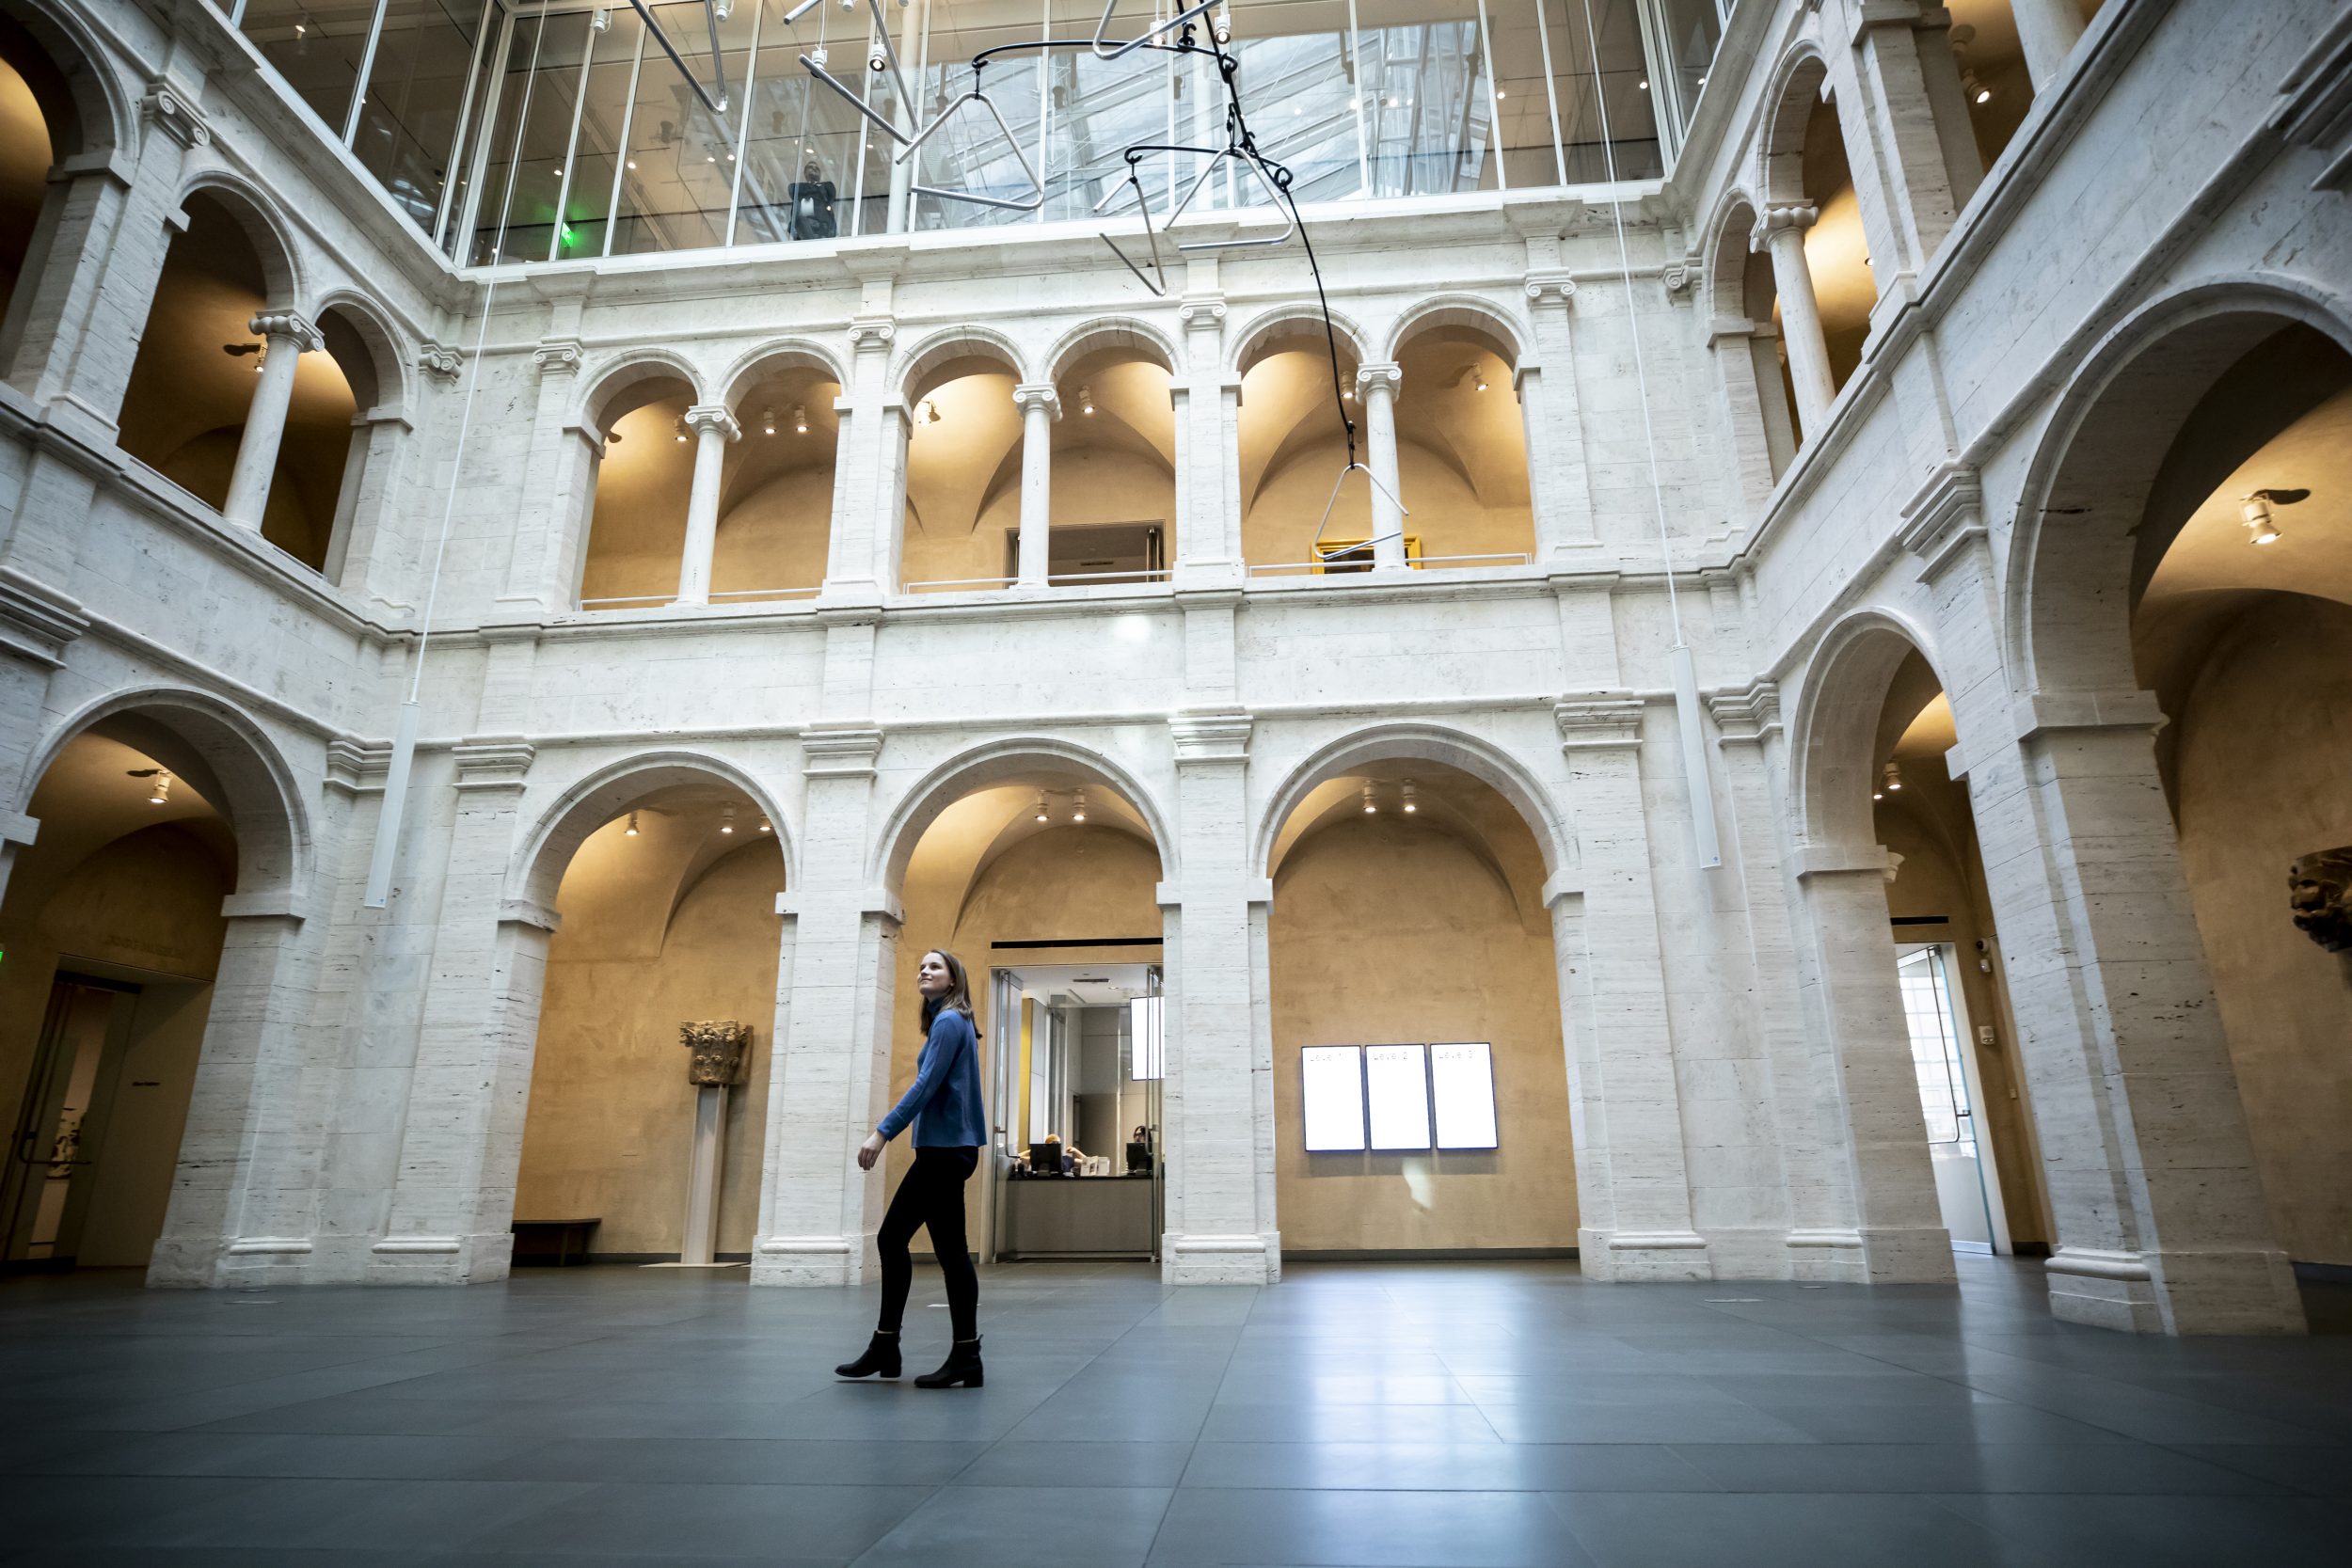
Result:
pixel 1039 405
pixel 1783 229
pixel 550 532
pixel 371 486
pixel 1619 1006
pixel 1217 1097
pixel 713 428
pixel 2161 1222
pixel 1376 388
pixel 289 337
pixel 2048 29
pixel 1208 526
pixel 1558 477
pixel 864 529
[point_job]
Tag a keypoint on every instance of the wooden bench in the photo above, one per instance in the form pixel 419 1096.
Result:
pixel 552 1244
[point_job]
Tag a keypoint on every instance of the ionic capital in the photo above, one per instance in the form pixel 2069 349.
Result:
pixel 559 355
pixel 439 362
pixel 1550 288
pixel 871 334
pixel 168 109
pixel 1386 377
pixel 1038 394
pixel 712 415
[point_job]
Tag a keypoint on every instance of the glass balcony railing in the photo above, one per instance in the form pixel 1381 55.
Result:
pixel 516 131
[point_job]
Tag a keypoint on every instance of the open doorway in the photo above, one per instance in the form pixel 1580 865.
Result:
pixel 1944 1055
pixel 1077 1059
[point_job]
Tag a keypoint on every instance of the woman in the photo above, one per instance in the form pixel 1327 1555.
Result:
pixel 951 1126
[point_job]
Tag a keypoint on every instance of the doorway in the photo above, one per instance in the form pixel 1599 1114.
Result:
pixel 1076 1057
pixel 55 1149
pixel 1943 1057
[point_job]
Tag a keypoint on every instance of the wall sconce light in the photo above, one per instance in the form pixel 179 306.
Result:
pixel 1086 401
pixel 767 422
pixel 726 819
pixel 1042 814
pixel 1891 777
pixel 2262 524
pixel 1370 805
pixel 800 419
pixel 765 826
pixel 1479 380
pixel 1411 804
pixel 1078 807
pixel 633 826
pixel 681 428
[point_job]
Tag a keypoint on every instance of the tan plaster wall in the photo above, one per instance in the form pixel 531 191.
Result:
pixel 609 1127
pixel 2265 753
pixel 1389 931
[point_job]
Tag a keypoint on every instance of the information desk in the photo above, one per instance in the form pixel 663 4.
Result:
pixel 1077 1216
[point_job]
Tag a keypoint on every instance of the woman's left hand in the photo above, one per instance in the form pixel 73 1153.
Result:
pixel 869 1151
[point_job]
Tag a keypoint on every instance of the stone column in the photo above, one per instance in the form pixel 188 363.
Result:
pixel 1217 1096
pixel 1376 388
pixel 869 453
pixel 713 428
pixel 371 487
pixel 1039 405
pixel 1558 478
pixel 1620 1005
pixel 289 338
pixel 2049 30
pixel 2150 1170
pixel 1783 230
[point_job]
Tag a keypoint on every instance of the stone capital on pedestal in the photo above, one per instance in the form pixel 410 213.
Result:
pixel 712 415
pixel 1038 394
pixel 1798 215
pixel 292 327
pixel 1202 314
pixel 439 362
pixel 1388 377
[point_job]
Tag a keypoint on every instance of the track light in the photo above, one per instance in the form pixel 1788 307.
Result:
pixel 1042 814
pixel 765 826
pixel 767 422
pixel 1891 776
pixel 2262 523
pixel 1369 806
pixel 800 419
pixel 1086 401
pixel 1411 804
pixel 632 824
pixel 726 819
pixel 680 429
pixel 161 794
pixel 1978 93
pixel 1078 807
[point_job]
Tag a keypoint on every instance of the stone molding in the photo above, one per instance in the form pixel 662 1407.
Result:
pixel 713 415
pixel 2095 1263
pixel 2049 713
pixel 842 752
pixel 2314 106
pixel 36 623
pixel 1204 738
pixel 871 334
pixel 274 324
pixel 493 764
pixel 1038 394
pixel 555 357
pixel 1679 276
pixel 440 362
pixel 1746 717
pixel 1942 521
pixel 1254 891
pixel 529 911
pixel 1550 288
pixel 1829 860
pixel 267 904
pixel 170 110
pixel 1598 723
pixel 354 766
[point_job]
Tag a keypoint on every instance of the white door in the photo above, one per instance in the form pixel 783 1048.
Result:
pixel 1966 1187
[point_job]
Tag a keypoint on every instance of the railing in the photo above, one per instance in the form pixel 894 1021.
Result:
pixel 658 600
pixel 1363 568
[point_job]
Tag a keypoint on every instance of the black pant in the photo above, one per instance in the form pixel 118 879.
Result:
pixel 930 1197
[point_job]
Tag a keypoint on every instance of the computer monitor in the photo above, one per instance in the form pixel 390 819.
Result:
pixel 1138 1159
pixel 1045 1159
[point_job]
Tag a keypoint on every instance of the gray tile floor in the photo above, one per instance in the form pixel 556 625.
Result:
pixel 1432 1415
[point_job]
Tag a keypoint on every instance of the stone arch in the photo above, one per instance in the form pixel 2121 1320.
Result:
pixel 1473 754
pixel 387 353
pixel 1729 231
pixel 1798 82
pixel 266 228
pixel 1835 722
pixel 613 382
pixel 96 115
pixel 946 347
pixel 591 801
pixel 780 353
pixel 2067 595
pixel 1459 309
pixel 1302 318
pixel 1111 332
pixel 985 763
pixel 262 799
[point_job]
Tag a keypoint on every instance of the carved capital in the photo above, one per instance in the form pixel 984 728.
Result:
pixel 1550 288
pixel 1212 737
pixel 871 334
pixel 1746 716
pixel 285 329
pixel 1783 217
pixel 1679 276
pixel 1202 311
pixel 721 1051
pixel 440 363
pixel 36 623
pixel 356 768
pixel 168 109
pixel 1601 724
pixel 2319 893
pixel 1038 394
pixel 844 752
pixel 493 764
pixel 559 355
pixel 713 415
pixel 1944 517
pixel 1386 378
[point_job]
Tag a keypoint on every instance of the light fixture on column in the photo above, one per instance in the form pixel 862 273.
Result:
pixel 1086 401
pixel 1078 807
pixel 631 832
pixel 800 418
pixel 1043 814
pixel 1371 805
pixel 1411 804
pixel 2262 523
pixel 726 819
pixel 1891 776
pixel 767 422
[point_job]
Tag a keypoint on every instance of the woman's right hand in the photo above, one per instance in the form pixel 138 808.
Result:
pixel 869 1151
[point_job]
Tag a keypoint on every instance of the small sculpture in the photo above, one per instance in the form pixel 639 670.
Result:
pixel 721 1047
pixel 2319 891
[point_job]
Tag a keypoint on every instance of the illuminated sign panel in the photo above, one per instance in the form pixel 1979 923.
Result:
pixel 1333 1097
pixel 1396 1084
pixel 1462 1093
pixel 1398 1097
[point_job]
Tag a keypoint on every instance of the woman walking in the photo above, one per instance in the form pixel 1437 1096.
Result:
pixel 950 1125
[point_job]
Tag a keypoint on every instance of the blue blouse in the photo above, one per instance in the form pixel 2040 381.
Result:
pixel 944 1102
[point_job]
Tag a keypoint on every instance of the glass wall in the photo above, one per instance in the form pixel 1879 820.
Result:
pixel 581 120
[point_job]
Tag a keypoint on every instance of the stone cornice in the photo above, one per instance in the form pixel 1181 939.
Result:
pixel 493 764
pixel 354 766
pixel 37 622
pixel 1943 518
pixel 840 751
pixel 1211 736
pixel 1745 717
pixel 1601 724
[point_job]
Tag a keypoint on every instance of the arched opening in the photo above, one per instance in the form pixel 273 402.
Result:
pixel 964 461
pixel 1461 447
pixel 1293 448
pixel 113 929
pixel 32 89
pixel 1756 362
pixel 2005 53
pixel 775 501
pixel 643 483
pixel 1813 227
pixel 1421 1097
pixel 2241 624
pixel 1041 873
pixel 1114 473
pixel 668 919
pixel 200 366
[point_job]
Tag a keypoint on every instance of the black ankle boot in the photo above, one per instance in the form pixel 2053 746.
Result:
pixel 881 1355
pixel 961 1366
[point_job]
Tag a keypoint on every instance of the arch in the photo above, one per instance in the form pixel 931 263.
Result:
pixel 266 229
pixel 1111 332
pixel 387 351
pixel 1459 309
pixel 949 345
pixel 1834 728
pixel 1439 743
pixel 1305 319
pixel 589 802
pixel 265 803
pixel 779 354
pixel 988 763
pixel 1726 263
pixel 2066 595
pixel 98 115
pixel 1799 80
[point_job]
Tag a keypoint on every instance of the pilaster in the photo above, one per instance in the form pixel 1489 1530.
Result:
pixel 1558 477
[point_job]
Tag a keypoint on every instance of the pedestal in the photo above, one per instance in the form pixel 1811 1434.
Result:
pixel 697 1249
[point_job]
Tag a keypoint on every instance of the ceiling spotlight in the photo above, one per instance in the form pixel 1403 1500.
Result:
pixel 632 162
pixel 800 419
pixel 681 428
pixel 1042 814
pixel 160 795
pixel 1643 84
pixel 765 826
pixel 1978 93
pixel 1078 807
pixel 632 824
pixel 767 422
pixel 1411 804
pixel 1370 807
pixel 726 819
pixel 1891 776
pixel 1086 401
pixel 2261 526
pixel 1480 381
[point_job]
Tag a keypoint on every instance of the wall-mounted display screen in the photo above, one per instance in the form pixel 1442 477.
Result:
pixel 1396 1092
pixel 1462 1095
pixel 1333 1097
